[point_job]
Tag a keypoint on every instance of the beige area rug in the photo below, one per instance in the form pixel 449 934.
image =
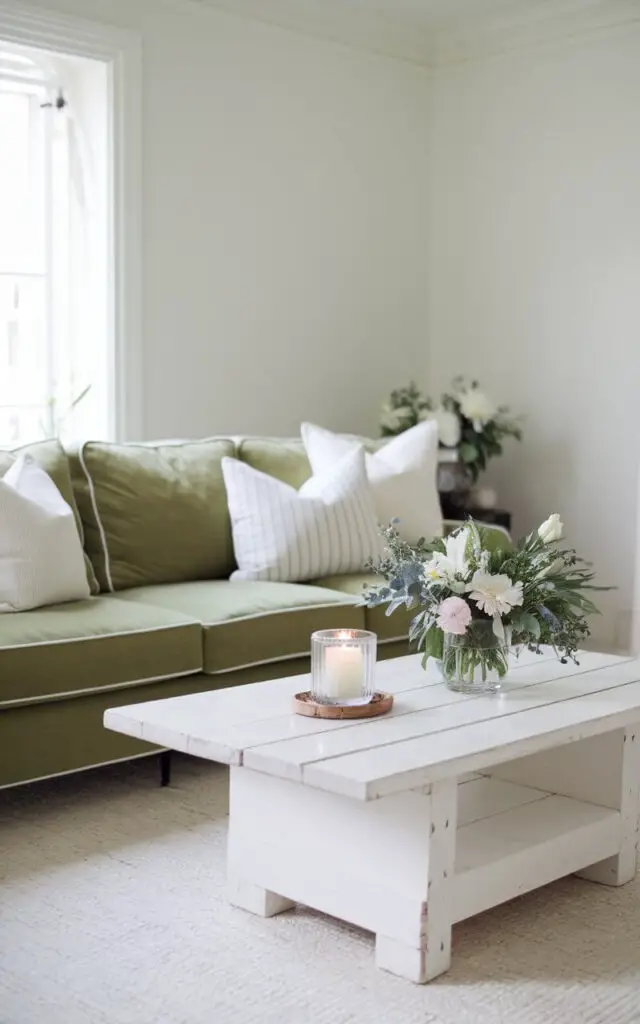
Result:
pixel 113 911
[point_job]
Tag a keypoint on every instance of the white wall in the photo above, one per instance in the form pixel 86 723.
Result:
pixel 285 222
pixel 534 281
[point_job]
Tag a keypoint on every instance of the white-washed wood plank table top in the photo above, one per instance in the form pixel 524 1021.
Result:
pixel 431 734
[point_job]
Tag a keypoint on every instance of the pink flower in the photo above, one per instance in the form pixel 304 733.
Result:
pixel 454 615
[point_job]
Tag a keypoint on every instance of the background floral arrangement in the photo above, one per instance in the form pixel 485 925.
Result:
pixel 467 420
pixel 532 594
pixel 404 409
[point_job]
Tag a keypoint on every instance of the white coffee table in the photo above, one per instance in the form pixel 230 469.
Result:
pixel 450 805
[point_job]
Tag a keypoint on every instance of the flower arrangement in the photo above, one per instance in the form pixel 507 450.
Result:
pixel 475 600
pixel 405 408
pixel 467 420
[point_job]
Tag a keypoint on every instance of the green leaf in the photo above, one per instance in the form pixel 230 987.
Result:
pixel 433 642
pixel 525 622
pixel 468 452
pixel 417 625
pixel 474 543
pixel 581 602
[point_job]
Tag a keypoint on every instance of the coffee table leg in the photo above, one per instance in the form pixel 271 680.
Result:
pixel 431 954
pixel 622 868
pixel 385 865
pixel 257 900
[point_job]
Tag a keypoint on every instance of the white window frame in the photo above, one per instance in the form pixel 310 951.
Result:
pixel 120 50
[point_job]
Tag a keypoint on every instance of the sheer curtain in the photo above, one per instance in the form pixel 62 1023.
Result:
pixel 53 369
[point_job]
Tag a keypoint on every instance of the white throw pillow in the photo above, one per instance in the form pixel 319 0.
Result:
pixel 403 475
pixel 327 527
pixel 41 560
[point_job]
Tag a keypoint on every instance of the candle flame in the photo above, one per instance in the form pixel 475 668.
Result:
pixel 345 634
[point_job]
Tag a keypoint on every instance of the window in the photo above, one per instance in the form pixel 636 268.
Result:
pixel 55 377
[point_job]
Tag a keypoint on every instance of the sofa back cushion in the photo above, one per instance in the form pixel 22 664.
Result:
pixel 52 458
pixel 154 513
pixel 283 458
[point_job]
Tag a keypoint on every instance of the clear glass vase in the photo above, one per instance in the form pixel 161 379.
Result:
pixel 477 661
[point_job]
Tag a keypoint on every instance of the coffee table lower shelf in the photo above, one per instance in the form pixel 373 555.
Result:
pixel 539 839
pixel 409 866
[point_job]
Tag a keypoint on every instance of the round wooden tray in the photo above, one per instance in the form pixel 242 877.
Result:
pixel 304 704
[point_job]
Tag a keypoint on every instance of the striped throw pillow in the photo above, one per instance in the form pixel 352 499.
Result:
pixel 281 534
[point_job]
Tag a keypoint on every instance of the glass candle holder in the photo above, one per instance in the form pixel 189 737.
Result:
pixel 343 666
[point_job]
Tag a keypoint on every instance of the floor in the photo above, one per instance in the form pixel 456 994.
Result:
pixel 113 911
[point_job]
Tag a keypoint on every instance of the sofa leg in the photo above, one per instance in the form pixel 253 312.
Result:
pixel 165 767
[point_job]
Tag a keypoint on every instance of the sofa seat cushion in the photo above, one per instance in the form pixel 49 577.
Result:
pixel 100 643
pixel 253 623
pixel 387 627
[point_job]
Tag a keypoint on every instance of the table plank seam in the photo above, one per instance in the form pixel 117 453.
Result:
pixel 373 788
pixel 376 745
pixel 339 725
pixel 457 699
pixel 553 738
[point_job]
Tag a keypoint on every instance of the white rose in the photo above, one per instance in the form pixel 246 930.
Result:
pixel 551 529
pixel 476 407
pixel 448 427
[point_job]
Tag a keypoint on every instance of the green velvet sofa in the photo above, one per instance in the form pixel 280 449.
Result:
pixel 163 618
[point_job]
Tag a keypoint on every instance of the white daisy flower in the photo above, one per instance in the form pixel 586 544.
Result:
pixel 495 595
pixel 475 405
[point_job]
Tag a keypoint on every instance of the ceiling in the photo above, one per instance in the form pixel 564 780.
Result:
pixel 433 32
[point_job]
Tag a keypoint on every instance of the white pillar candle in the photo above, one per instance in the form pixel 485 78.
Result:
pixel 344 672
